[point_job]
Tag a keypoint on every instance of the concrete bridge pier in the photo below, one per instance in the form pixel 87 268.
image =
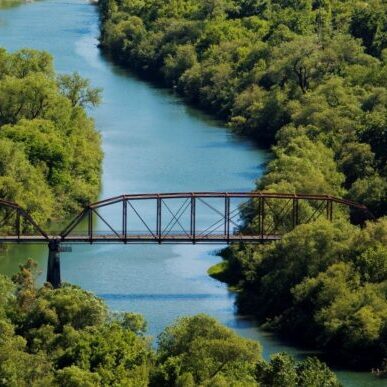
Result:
pixel 53 266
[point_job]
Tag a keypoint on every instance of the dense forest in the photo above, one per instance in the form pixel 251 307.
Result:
pixel 50 152
pixel 308 78
pixel 323 283
pixel 307 75
pixel 67 337
pixel 50 161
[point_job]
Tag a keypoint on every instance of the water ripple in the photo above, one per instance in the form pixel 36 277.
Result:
pixel 165 297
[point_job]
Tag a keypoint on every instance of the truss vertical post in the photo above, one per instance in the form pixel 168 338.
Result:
pixel 125 220
pixel 262 208
pixel 90 228
pixel 227 218
pixel 330 210
pixel 158 220
pixel 295 212
pixel 53 264
pixel 193 218
pixel 18 231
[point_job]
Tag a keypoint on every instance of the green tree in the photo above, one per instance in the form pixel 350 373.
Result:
pixel 368 22
pixel 43 145
pixel 65 337
pixel 282 370
pixel 25 62
pixel 183 59
pixel 372 192
pixel 78 90
pixel 306 78
pixel 75 376
pixel 56 150
pixel 205 349
pixel 356 161
pixel 308 166
pixel 23 183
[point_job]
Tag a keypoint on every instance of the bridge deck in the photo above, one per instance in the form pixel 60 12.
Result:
pixel 143 238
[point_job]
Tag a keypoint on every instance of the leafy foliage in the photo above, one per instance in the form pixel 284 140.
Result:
pixel 65 337
pixel 309 79
pixel 330 287
pixel 50 152
pixel 282 370
pixel 205 350
pixel 276 71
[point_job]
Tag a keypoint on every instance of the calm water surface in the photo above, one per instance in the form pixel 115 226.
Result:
pixel 152 143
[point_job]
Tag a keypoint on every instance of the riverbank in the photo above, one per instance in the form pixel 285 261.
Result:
pixel 263 74
pixel 152 142
pixel 135 121
pixel 229 61
pixel 327 296
pixel 66 336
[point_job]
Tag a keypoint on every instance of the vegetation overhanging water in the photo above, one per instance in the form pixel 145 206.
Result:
pixel 107 186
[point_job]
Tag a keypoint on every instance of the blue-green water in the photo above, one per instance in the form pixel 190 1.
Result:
pixel 153 143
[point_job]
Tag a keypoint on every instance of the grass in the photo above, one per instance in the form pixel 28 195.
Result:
pixel 219 271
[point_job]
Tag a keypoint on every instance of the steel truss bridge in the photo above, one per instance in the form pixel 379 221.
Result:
pixel 192 217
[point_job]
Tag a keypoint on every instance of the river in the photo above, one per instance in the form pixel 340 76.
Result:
pixel 153 142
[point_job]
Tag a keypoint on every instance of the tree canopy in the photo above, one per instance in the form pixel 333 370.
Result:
pixel 50 152
pixel 324 283
pixel 67 337
pixel 307 78
pixel 315 69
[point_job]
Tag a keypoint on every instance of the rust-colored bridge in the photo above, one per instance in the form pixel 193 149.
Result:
pixel 193 217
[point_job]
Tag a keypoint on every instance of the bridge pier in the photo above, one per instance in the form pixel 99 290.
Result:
pixel 53 265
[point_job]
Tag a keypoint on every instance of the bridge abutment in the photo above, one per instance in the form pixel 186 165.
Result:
pixel 53 265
